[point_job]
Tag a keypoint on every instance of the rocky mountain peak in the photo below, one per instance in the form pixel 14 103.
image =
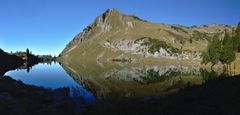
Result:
pixel 112 11
pixel 110 19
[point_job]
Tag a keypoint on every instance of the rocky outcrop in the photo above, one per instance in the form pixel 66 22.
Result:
pixel 138 47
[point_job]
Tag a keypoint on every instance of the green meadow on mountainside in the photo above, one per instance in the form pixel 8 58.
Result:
pixel 114 36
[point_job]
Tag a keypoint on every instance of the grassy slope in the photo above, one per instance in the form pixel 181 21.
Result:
pixel 91 48
pixel 179 38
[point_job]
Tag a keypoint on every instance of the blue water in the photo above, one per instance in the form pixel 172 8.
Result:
pixel 52 76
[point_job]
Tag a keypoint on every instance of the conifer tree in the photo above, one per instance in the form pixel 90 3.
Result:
pixel 227 50
pixel 214 50
pixel 236 38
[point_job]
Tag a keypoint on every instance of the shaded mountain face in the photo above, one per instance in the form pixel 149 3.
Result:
pixel 8 62
pixel 114 35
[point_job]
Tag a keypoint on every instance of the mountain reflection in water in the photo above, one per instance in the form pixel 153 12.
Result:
pixel 96 86
pixel 116 83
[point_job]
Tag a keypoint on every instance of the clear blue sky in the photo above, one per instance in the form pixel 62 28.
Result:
pixel 46 26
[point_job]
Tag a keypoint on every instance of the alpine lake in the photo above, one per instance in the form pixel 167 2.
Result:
pixel 93 83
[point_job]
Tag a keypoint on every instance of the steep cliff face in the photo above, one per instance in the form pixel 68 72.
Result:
pixel 114 35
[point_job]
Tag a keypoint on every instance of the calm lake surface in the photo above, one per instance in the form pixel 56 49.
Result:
pixel 51 76
pixel 112 82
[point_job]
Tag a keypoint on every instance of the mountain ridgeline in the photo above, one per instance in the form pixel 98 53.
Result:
pixel 116 36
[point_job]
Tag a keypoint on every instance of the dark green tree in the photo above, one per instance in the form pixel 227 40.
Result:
pixel 205 57
pixel 27 51
pixel 217 50
pixel 214 50
pixel 236 38
pixel 190 40
pixel 227 50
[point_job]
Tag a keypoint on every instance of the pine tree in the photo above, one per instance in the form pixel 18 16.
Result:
pixel 236 38
pixel 214 50
pixel 227 50
pixel 205 58
pixel 27 51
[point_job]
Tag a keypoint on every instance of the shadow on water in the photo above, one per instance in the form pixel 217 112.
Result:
pixel 128 90
pixel 167 90
pixel 209 95
pixel 214 97
pixel 17 98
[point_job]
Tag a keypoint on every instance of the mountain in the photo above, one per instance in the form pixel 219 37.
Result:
pixel 114 36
